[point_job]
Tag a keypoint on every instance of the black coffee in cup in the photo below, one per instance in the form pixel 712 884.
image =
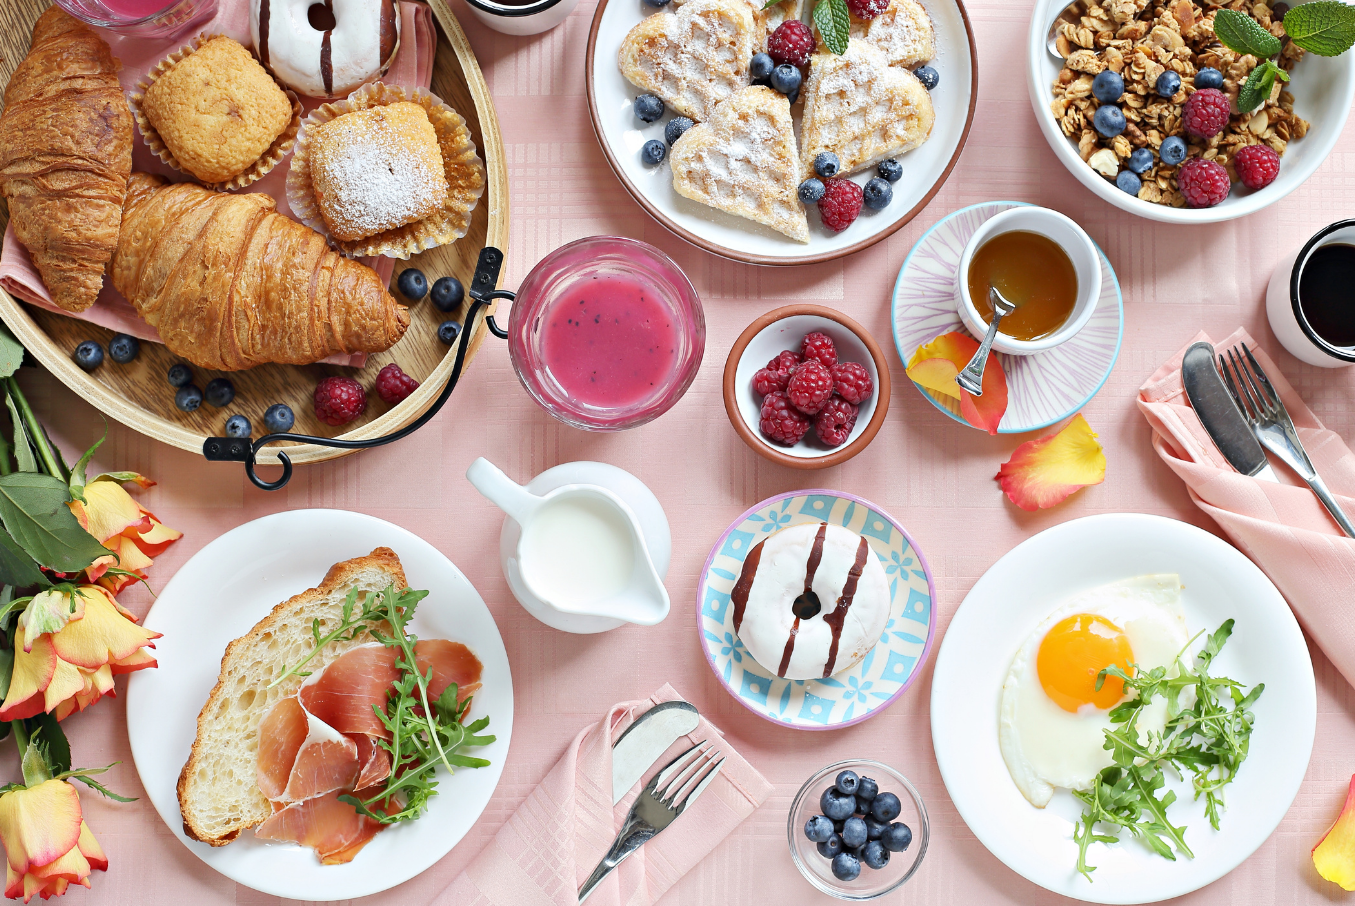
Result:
pixel 1327 293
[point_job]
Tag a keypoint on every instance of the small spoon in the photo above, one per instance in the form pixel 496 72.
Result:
pixel 971 378
pixel 1052 37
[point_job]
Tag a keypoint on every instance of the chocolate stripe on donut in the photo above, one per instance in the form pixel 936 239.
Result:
pixel 811 567
pixel 844 603
pixel 326 64
pixel 745 584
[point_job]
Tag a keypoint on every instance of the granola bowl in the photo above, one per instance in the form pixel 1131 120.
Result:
pixel 1304 122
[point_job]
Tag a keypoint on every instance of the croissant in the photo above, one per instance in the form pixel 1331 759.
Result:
pixel 230 283
pixel 65 155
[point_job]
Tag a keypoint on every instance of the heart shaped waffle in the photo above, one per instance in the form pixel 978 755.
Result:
pixel 695 58
pixel 766 20
pixel 903 31
pixel 743 162
pixel 862 109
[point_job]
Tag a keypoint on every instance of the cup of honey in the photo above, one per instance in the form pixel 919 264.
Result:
pixel 1041 261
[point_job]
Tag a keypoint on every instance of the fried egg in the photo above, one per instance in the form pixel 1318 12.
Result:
pixel 1052 717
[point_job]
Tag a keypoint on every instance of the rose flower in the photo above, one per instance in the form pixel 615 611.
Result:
pixel 123 526
pixel 48 846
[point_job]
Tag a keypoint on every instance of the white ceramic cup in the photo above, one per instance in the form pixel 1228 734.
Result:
pixel 1064 233
pixel 528 19
pixel 1282 302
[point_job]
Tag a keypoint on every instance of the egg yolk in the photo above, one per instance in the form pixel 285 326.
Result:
pixel 1074 652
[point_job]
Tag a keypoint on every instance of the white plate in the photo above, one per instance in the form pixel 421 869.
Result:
pixel 611 101
pixel 1323 89
pixel 216 597
pixel 1011 599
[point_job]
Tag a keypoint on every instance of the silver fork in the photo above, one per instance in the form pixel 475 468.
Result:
pixel 1270 422
pixel 666 796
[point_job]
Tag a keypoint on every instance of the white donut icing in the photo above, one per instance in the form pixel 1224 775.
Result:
pixel 293 49
pixel 852 591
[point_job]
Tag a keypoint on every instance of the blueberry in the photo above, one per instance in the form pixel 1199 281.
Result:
pixel 854 833
pixel 1168 84
pixel 180 375
pixel 886 807
pixel 653 152
pixel 927 76
pixel 830 847
pixel 868 789
pixel 1141 161
pixel 657 4
pixel 675 129
pixel 412 284
pixel 811 190
pixel 786 78
pixel 862 805
pixel 1173 150
pixel 648 108
pixel 761 66
pixel 1109 121
pixel 875 855
pixel 1128 182
pixel 846 782
pixel 448 331
pixel 89 355
pixel 1209 77
pixel 890 170
pixel 448 293
pixel 878 194
pixel 818 829
pixel 846 867
pixel 238 426
pixel 188 398
pixel 874 828
pixel 278 418
pixel 896 837
pixel 219 392
pixel 793 97
pixel 123 348
pixel 1107 87
pixel 827 164
pixel 837 826
pixel 837 806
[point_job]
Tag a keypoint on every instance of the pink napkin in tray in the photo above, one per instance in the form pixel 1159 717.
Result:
pixel 1282 527
pixel 412 67
pixel 552 843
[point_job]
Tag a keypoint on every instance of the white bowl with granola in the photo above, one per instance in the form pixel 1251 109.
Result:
pixel 1145 42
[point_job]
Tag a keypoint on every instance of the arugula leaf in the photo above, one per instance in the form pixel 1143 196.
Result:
pixel 834 23
pixel 1241 33
pixel 34 512
pixel 1325 27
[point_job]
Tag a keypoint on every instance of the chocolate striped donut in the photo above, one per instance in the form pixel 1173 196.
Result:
pixel 325 48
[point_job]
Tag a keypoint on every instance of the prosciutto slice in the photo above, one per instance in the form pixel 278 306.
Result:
pixel 330 827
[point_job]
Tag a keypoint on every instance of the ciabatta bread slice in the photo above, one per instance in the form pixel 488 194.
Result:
pixel 219 794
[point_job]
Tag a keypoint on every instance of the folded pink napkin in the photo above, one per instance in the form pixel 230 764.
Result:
pixel 412 67
pixel 1282 527
pixel 555 839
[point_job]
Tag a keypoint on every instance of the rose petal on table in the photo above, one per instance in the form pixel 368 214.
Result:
pixel 935 365
pixel 1044 472
pixel 1334 854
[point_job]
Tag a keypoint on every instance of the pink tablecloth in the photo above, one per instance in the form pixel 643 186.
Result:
pixel 931 473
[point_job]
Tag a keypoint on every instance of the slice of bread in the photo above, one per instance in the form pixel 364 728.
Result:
pixel 218 793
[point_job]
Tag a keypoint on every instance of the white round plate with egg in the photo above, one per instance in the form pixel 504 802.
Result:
pixel 1034 581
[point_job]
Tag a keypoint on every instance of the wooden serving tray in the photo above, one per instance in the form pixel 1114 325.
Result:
pixel 139 396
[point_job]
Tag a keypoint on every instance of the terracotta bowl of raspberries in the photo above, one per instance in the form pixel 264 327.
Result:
pixel 806 386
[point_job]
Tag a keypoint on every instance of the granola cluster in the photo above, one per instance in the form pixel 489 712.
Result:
pixel 1140 39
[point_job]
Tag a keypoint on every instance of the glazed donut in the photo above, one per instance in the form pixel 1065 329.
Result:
pixel 325 48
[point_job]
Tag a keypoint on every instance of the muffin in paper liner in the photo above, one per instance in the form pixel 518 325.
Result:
pixel 256 171
pixel 462 166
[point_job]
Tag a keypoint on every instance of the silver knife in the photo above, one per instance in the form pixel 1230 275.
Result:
pixel 1219 413
pixel 636 750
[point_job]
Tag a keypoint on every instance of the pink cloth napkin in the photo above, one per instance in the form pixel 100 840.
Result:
pixel 1282 527
pixel 552 843
pixel 412 67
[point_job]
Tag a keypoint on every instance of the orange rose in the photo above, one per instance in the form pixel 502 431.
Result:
pixel 48 846
pixel 123 526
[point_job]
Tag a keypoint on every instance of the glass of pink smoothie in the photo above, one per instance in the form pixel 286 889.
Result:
pixel 142 18
pixel 606 333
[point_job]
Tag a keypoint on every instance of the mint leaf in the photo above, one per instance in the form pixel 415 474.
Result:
pixel 1241 33
pixel 1256 89
pixel 769 4
pixel 834 23
pixel 1325 27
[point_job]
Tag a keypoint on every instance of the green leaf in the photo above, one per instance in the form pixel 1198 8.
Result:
pixel 17 568
pixel 34 764
pixel 34 512
pixel 49 735
pixel 6 671
pixel 23 446
pixel 834 23
pixel 78 473
pixel 769 4
pixel 1325 27
pixel 1256 89
pixel 1241 33
pixel 11 352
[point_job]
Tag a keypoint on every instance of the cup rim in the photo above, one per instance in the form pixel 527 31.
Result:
pixel 1336 352
pixel 512 12
pixel 115 24
pixel 1010 345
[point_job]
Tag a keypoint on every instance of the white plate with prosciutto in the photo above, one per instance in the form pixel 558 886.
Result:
pixel 352 732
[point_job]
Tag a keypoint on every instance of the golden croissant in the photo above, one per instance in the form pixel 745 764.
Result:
pixel 65 155
pixel 230 283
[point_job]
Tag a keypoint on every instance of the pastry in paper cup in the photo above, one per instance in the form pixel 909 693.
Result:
pixel 464 171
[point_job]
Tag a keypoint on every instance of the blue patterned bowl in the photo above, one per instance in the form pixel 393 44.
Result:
pixel 848 696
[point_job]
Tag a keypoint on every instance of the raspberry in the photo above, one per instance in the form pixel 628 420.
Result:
pixel 835 421
pixel 1257 165
pixel 393 385
pixel 840 204
pixel 809 387
pixel 852 382
pixel 785 362
pixel 780 421
pixel 767 381
pixel 339 400
pixel 867 9
pixel 820 347
pixel 1203 182
pixel 791 43
pixel 1206 112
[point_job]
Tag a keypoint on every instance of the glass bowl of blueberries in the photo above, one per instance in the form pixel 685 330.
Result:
pixel 857 830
